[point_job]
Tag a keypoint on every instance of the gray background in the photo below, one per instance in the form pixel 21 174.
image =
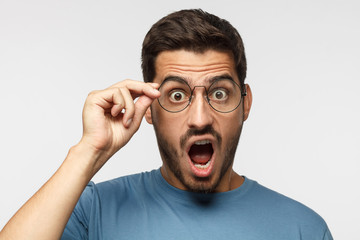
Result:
pixel 302 136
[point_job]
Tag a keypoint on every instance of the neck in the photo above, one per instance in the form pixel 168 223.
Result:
pixel 230 181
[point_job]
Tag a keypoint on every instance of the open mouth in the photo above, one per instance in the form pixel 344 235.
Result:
pixel 201 153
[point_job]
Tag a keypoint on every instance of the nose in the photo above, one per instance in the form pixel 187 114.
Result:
pixel 199 111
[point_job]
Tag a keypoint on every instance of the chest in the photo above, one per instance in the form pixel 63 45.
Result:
pixel 154 219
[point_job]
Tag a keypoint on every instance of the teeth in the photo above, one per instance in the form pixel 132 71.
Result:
pixel 202 142
pixel 202 166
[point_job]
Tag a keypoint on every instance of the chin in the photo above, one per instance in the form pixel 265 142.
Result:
pixel 202 186
pixel 192 174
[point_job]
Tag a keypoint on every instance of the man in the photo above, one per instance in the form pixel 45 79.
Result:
pixel 194 67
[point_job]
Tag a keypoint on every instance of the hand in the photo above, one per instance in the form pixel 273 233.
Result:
pixel 106 129
pixel 110 116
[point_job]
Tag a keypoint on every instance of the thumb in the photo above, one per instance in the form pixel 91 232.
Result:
pixel 141 106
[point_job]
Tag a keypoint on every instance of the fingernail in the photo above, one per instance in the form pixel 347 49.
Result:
pixel 155 85
pixel 129 122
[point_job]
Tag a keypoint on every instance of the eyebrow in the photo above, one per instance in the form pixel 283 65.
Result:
pixel 208 80
pixel 175 78
pixel 224 76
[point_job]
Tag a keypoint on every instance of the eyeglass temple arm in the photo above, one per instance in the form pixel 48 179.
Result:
pixel 243 92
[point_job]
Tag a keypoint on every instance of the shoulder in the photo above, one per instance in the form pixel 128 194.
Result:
pixel 122 185
pixel 282 203
pixel 133 179
pixel 287 210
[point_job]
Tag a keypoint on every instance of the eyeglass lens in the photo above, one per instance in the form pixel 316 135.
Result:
pixel 223 95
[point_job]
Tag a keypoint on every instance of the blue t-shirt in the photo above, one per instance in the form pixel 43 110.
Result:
pixel 145 206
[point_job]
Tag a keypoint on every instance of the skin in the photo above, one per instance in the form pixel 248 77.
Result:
pixel 106 130
pixel 197 69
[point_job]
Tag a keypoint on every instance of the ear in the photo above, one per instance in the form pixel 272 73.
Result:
pixel 247 101
pixel 148 115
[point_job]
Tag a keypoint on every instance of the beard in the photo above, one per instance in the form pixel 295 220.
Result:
pixel 172 157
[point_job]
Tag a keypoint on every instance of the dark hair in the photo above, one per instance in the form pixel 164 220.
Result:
pixel 193 30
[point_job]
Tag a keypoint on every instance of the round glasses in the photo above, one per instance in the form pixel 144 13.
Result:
pixel 223 95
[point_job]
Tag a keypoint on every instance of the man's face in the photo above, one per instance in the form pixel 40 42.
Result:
pixel 198 144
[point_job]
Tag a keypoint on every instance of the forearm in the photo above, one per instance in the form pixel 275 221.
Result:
pixel 106 129
pixel 45 215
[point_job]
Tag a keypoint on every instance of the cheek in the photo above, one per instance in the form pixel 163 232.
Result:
pixel 173 126
pixel 230 126
pixel 167 124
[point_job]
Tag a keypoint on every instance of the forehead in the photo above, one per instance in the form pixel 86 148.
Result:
pixel 195 68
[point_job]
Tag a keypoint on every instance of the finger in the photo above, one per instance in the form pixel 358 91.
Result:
pixel 109 100
pixel 141 105
pixel 129 107
pixel 138 88
pixel 118 101
pixel 103 98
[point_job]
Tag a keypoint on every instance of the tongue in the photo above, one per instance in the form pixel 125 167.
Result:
pixel 201 154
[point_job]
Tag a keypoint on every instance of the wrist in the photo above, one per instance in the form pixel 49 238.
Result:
pixel 85 160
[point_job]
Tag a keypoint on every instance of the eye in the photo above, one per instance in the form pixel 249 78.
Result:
pixel 219 94
pixel 177 96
